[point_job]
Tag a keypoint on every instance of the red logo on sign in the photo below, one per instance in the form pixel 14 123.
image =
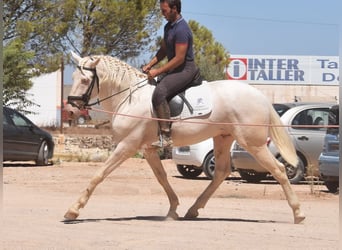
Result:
pixel 237 69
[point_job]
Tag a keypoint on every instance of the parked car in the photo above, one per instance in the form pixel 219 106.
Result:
pixel 308 142
pixel 23 140
pixel 329 160
pixel 194 159
pixel 81 119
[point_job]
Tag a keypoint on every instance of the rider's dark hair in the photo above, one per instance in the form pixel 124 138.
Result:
pixel 173 3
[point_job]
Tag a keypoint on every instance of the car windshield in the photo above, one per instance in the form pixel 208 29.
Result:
pixel 280 108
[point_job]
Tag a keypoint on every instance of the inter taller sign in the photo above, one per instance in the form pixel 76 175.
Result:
pixel 298 70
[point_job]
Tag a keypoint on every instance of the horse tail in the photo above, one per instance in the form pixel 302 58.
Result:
pixel 282 139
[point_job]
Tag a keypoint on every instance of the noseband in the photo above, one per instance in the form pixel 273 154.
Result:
pixel 86 96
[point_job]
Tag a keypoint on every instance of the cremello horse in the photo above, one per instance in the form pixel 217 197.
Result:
pixel 123 89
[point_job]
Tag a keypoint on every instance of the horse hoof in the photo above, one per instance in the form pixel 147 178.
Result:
pixel 191 214
pixel 172 215
pixel 71 215
pixel 299 219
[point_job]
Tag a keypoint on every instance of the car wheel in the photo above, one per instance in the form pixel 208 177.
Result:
pixel 43 154
pixel 189 171
pixel 252 176
pixel 81 120
pixel 209 165
pixel 295 175
pixel 332 186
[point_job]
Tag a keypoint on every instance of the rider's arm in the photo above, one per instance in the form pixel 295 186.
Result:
pixel 161 53
pixel 181 49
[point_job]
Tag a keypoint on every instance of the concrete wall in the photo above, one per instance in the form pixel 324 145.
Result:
pixel 306 93
pixel 46 92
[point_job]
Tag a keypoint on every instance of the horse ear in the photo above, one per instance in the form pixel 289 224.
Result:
pixel 95 62
pixel 76 57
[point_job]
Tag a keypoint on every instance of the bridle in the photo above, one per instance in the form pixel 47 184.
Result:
pixel 86 96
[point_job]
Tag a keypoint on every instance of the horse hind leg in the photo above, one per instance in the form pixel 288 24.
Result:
pixel 265 158
pixel 120 154
pixel 222 170
pixel 153 159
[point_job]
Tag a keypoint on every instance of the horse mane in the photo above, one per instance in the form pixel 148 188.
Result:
pixel 116 71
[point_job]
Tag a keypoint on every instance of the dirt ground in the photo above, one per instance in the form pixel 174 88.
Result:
pixel 127 211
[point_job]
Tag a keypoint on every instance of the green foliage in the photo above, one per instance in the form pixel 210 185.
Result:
pixel 34 22
pixel 210 71
pixel 17 74
pixel 210 56
pixel 119 28
pixel 49 29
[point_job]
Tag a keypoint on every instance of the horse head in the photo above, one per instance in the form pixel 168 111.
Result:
pixel 85 79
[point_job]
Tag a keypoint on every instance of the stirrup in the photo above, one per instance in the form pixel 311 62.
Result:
pixel 164 141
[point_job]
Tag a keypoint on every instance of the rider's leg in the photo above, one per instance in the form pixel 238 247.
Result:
pixel 168 87
pixel 163 112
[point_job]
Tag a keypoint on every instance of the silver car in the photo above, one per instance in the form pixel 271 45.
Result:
pixel 303 124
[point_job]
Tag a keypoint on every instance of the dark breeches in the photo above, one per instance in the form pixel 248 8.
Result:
pixel 173 83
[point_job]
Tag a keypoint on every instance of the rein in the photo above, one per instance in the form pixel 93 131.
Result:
pixel 86 96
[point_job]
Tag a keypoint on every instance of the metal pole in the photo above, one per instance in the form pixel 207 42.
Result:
pixel 62 90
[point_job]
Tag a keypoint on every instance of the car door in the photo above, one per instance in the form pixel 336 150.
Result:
pixel 308 136
pixel 9 134
pixel 21 142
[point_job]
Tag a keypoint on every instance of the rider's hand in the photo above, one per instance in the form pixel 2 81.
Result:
pixel 152 73
pixel 145 69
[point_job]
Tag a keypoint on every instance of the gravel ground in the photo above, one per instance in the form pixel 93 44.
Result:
pixel 127 211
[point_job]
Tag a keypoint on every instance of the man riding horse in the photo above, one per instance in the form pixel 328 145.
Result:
pixel 177 46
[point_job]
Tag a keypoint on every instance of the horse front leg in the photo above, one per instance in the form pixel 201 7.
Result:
pixel 153 159
pixel 121 153
pixel 222 170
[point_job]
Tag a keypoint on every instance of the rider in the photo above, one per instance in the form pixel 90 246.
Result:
pixel 180 69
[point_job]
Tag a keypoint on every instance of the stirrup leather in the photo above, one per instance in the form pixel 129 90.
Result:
pixel 164 141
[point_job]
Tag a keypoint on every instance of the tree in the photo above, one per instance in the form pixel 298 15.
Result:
pixel 210 56
pixel 47 29
pixel 120 28
pixel 31 47
pixel 17 75
pixel 40 25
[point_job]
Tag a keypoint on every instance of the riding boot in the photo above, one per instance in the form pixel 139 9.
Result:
pixel 163 112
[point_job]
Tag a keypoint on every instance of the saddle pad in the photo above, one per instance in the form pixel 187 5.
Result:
pixel 200 100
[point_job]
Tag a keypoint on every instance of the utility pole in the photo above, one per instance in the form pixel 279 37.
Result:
pixel 62 90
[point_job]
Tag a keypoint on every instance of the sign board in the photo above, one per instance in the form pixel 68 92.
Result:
pixel 281 69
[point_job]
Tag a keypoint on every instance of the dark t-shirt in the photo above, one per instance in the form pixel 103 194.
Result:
pixel 178 32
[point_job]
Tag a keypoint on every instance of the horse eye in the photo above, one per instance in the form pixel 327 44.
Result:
pixel 84 81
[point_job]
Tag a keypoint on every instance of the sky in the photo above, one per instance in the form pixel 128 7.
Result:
pixel 268 27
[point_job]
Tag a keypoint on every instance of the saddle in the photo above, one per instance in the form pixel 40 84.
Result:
pixel 193 101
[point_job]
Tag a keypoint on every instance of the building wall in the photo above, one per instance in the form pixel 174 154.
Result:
pixel 46 92
pixel 306 93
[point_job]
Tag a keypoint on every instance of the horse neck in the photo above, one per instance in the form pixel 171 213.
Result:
pixel 120 80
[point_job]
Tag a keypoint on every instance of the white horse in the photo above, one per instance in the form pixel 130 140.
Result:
pixel 123 89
